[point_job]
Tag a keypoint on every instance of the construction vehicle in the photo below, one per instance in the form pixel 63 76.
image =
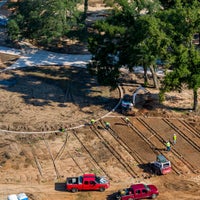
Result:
pixel 129 101
pixel 87 182
pixel 126 104
pixel 161 166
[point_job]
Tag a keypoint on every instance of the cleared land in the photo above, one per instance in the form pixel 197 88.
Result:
pixel 47 98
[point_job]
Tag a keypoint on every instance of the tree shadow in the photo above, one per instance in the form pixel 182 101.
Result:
pixel 39 86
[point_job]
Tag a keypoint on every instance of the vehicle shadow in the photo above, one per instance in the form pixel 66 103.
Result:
pixel 112 196
pixel 60 187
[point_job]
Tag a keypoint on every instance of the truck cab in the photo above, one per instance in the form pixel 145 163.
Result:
pixel 161 166
pixel 87 182
pixel 126 104
pixel 138 191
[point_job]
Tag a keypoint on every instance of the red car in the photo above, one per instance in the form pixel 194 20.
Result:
pixel 138 191
pixel 87 182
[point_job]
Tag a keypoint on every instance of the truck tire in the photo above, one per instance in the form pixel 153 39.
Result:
pixel 101 189
pixel 74 190
pixel 153 196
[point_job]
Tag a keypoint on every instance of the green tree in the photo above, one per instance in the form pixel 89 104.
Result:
pixel 14 32
pixel 151 44
pixel 105 46
pixel 171 3
pixel 128 35
pixel 183 22
pixel 44 21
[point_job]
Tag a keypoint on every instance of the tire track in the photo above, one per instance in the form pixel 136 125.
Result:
pixel 96 164
pixel 190 128
pixel 132 152
pixel 114 152
pixel 33 151
pixel 151 144
pixel 175 152
pixel 89 165
pixel 51 156
pixel 181 131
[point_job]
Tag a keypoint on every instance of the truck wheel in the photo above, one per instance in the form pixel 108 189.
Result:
pixel 153 196
pixel 102 189
pixel 74 190
pixel 130 198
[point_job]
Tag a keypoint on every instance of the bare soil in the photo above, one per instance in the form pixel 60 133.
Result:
pixel 45 99
pixel 49 98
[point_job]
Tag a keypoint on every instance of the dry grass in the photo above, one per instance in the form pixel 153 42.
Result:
pixel 7 60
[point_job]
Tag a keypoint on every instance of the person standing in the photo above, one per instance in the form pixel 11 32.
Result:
pixel 107 125
pixel 127 120
pixel 92 121
pixel 168 145
pixel 174 138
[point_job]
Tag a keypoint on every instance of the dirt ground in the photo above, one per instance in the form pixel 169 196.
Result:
pixel 36 158
pixel 45 99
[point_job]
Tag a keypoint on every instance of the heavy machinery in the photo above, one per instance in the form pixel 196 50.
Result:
pixel 129 101
pixel 126 104
pixel 161 166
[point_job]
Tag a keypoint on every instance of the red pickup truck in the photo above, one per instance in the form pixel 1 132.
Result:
pixel 87 182
pixel 138 191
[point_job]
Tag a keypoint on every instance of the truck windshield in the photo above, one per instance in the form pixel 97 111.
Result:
pixel 101 180
pixel 146 187
pixel 80 179
pixel 97 179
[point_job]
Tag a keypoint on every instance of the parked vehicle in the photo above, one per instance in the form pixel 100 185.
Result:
pixel 161 166
pixel 12 197
pixel 138 191
pixel 127 104
pixel 20 196
pixel 87 182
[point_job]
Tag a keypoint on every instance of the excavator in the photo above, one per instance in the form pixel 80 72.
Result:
pixel 129 101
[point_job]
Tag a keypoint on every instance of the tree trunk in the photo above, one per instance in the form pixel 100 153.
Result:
pixel 145 76
pixel 195 104
pixel 85 9
pixel 155 79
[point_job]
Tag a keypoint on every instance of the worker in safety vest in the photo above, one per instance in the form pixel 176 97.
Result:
pixel 62 129
pixel 92 121
pixel 168 145
pixel 107 125
pixel 174 138
pixel 127 120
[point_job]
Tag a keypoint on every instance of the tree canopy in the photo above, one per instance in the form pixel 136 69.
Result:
pixel 140 32
pixel 183 22
pixel 42 20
